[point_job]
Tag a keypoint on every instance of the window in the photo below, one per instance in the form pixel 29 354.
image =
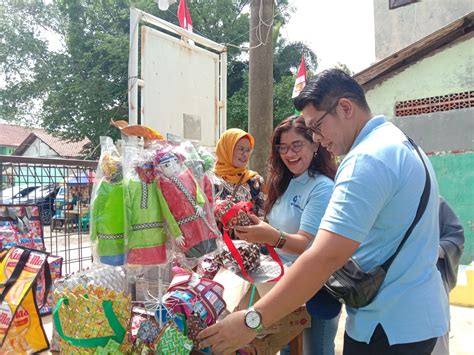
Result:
pixel 6 150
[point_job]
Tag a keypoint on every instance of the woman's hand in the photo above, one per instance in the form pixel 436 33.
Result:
pixel 260 232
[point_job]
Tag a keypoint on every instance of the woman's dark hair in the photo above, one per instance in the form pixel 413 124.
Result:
pixel 279 176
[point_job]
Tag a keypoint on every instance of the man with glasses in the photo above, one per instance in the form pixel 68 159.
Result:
pixel 376 195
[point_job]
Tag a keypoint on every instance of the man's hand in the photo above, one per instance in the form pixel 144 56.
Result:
pixel 228 335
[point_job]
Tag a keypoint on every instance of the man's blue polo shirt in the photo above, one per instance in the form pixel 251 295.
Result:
pixel 301 207
pixel 376 194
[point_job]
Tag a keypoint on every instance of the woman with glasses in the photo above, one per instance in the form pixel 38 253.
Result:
pixel 233 151
pixel 299 185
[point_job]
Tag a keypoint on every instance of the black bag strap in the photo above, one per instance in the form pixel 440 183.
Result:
pixel 48 282
pixel 15 274
pixel 419 212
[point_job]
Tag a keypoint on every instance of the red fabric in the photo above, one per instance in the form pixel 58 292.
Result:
pixel 196 231
pixel 301 68
pixel 184 16
pixel 147 256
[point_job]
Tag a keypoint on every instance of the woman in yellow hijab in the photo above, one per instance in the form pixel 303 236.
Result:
pixel 233 151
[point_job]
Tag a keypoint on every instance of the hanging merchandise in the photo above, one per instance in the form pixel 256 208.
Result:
pixel 20 225
pixel 21 330
pixel 92 311
pixel 197 158
pixel 145 233
pixel 107 211
pixel 189 204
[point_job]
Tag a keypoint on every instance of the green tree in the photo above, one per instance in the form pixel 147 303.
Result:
pixel 286 61
pixel 74 89
pixel 344 68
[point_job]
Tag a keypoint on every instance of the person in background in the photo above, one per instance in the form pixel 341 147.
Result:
pixel 233 152
pixel 377 191
pixel 299 185
pixel 451 247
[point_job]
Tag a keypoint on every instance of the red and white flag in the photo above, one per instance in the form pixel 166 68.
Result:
pixel 184 16
pixel 300 81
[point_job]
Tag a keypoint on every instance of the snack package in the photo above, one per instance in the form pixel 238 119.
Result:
pixel 21 329
pixel 107 207
pixel 20 225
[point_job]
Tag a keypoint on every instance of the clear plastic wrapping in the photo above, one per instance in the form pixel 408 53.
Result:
pixel 107 207
pixel 146 236
pixel 187 205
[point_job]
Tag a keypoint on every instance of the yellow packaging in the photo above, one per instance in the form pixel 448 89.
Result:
pixel 21 330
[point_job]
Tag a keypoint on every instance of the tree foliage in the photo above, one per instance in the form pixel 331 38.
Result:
pixel 76 84
pixel 344 68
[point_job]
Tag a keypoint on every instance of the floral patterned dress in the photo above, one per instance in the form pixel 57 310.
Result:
pixel 252 190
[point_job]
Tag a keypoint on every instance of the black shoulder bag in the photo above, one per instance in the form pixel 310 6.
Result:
pixel 355 288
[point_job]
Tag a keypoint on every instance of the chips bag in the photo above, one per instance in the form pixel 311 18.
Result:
pixel 21 330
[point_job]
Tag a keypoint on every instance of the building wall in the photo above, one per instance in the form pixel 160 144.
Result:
pixel 396 29
pixel 447 135
pixel 445 72
pixel 39 149
pixel 455 175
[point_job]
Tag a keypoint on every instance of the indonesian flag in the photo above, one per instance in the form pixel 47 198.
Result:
pixel 184 16
pixel 300 82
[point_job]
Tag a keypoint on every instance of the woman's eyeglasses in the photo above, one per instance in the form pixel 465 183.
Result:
pixel 295 146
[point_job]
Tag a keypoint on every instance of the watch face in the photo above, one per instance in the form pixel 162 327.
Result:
pixel 253 319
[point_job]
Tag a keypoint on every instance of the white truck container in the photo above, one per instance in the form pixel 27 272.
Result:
pixel 177 80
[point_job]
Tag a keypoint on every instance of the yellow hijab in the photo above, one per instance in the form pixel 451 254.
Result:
pixel 225 152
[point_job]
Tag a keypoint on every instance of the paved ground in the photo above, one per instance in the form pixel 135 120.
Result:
pixel 460 338
pixel 460 341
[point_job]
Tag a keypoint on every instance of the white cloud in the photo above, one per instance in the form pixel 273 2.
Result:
pixel 336 30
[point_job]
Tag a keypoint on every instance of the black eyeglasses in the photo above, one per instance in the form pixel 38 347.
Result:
pixel 316 127
pixel 295 146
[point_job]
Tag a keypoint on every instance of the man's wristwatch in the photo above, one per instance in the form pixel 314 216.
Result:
pixel 253 319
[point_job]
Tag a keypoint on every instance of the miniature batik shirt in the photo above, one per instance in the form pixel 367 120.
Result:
pixel 191 211
pixel 146 236
pixel 107 222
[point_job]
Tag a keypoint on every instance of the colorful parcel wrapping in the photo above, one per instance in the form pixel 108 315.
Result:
pixel 107 208
pixel 21 330
pixel 90 313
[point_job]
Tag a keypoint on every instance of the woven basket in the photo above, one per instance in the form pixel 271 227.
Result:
pixel 87 318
